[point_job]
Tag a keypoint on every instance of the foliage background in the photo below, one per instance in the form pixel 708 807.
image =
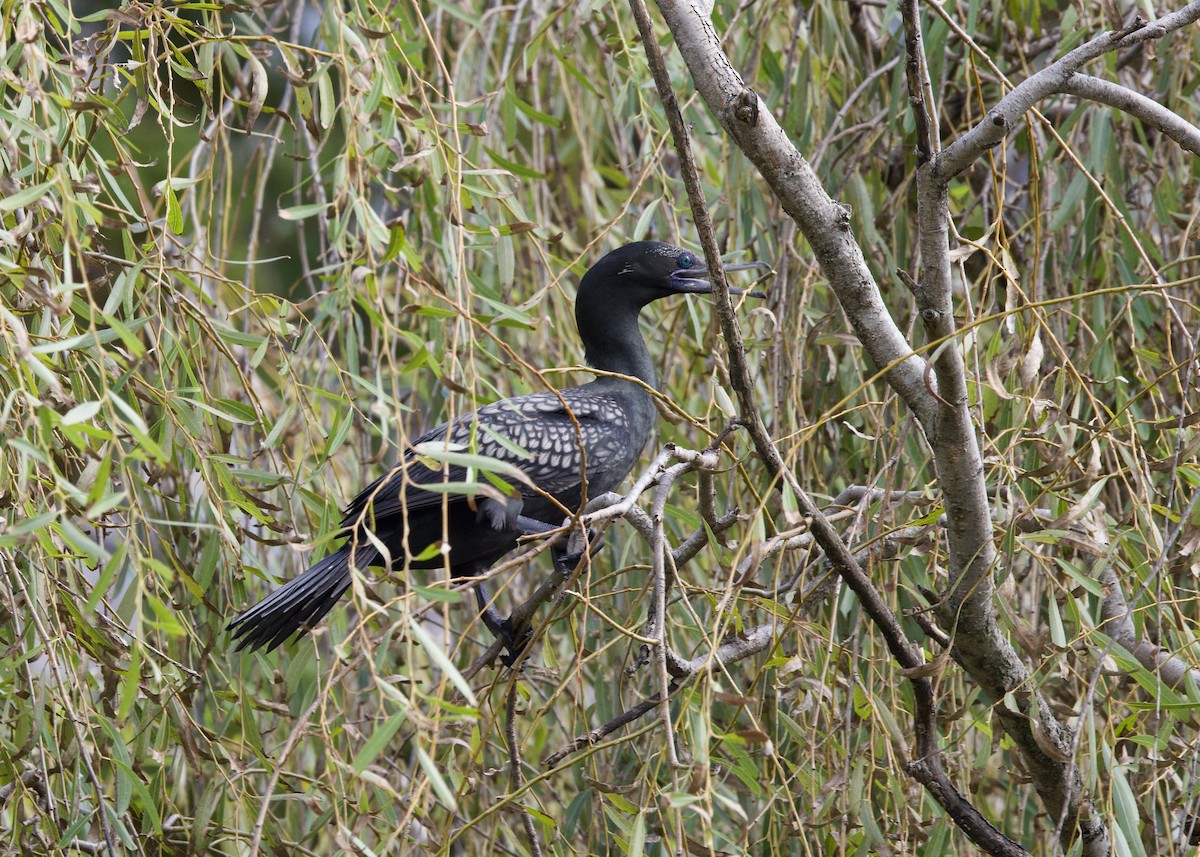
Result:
pixel 246 251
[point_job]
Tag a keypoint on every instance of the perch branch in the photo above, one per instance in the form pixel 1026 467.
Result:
pixel 599 513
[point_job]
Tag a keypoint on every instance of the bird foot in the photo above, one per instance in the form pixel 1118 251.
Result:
pixel 514 639
pixel 566 557
pixel 566 561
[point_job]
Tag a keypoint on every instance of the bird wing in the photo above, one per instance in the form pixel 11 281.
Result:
pixel 537 434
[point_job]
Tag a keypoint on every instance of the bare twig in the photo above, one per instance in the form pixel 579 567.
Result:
pixel 751 643
pixel 299 730
pixel 658 553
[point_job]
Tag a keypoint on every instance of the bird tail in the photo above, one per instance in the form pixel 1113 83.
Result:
pixel 300 603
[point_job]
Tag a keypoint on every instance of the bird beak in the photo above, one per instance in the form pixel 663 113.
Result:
pixel 694 281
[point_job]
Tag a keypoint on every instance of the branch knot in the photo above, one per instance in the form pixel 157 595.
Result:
pixel 745 107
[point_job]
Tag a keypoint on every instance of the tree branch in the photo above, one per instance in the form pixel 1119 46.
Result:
pixel 1146 110
pixel 942 410
pixel 1049 81
pixel 1118 624
pixel 825 223
pixel 966 608
pixel 920 89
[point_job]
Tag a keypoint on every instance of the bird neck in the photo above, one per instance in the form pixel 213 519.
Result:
pixel 613 342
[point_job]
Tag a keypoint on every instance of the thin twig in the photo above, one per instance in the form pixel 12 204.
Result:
pixel 294 737
pixel 916 72
pixel 515 779
pixel 754 641
pixel 658 551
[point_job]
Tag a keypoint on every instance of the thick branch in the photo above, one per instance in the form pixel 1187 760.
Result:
pixel 1146 110
pixel 967 607
pixel 942 409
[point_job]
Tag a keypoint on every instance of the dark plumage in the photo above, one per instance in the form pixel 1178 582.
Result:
pixel 606 423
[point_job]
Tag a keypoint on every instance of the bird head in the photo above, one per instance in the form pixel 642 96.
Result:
pixel 646 271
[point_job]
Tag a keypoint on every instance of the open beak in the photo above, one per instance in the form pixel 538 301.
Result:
pixel 694 281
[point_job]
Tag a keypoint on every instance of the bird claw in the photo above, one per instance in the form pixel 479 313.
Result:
pixel 565 563
pixel 515 640
pixel 566 560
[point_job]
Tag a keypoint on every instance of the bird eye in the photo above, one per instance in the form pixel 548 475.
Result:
pixel 687 260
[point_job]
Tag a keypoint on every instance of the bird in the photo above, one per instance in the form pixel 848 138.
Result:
pixel 556 439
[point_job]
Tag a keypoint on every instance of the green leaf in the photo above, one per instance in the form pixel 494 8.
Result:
pixel 1126 811
pixel 174 212
pixel 22 198
pixel 440 787
pixel 81 542
pixel 438 451
pixel 81 413
pixel 438 656
pixel 303 212
pixel 513 167
pixel 637 836
pixel 532 112
pixel 87 341
pixel 340 433
pixel 437 593
pixel 380 738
